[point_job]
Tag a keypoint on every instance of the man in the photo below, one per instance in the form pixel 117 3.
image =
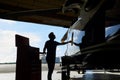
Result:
pixel 50 46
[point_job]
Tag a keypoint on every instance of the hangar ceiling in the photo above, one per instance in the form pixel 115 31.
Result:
pixel 47 12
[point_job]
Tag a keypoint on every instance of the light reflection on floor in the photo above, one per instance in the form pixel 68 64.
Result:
pixel 97 75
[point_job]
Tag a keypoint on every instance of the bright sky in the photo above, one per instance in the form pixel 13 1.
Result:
pixel 37 34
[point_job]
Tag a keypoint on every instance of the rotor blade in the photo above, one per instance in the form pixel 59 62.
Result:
pixel 64 37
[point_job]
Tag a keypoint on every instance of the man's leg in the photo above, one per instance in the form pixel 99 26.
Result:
pixel 50 70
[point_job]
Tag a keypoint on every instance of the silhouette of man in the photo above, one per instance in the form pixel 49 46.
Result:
pixel 50 46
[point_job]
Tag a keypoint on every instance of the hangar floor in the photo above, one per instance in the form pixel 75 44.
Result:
pixel 98 75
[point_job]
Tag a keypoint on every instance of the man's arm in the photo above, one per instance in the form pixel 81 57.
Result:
pixel 44 49
pixel 65 42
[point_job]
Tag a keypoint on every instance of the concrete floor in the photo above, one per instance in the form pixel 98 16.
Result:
pixel 97 75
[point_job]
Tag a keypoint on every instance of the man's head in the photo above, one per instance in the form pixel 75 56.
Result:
pixel 51 36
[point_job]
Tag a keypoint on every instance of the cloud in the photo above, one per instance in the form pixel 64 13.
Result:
pixel 7 44
pixel 61 50
pixel 33 38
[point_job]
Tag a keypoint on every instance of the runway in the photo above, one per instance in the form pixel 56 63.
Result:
pixel 9 70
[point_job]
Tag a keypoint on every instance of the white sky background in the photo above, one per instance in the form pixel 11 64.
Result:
pixel 7 49
pixel 36 33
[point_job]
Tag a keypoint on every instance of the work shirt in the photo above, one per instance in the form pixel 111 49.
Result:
pixel 51 49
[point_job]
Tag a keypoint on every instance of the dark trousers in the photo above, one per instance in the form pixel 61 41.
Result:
pixel 51 65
